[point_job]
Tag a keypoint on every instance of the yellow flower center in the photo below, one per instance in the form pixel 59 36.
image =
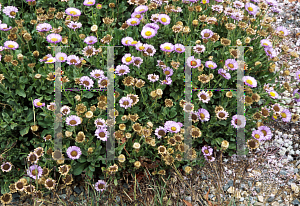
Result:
pixel 272 94
pixel 39 104
pixel 167 72
pixel 249 81
pixel 282 32
pixel 210 66
pixel 74 153
pixel 193 63
pixel 142 9
pixel 89 3
pixel 50 60
pixel 148 33
pixel 61 58
pixel 250 9
pixel 11 46
pixel 178 49
pixel 128 59
pixel 206 151
pixel 73 12
pixel 141 47
pixel 256 136
pixel 283 115
pixel 265 44
pixel 274 116
pixel 168 48
pixel 126 42
pixel 163 19
pixel 173 128
pixel 133 22
pixel 230 65
pixel 202 116
pixel 299 76
pixel 134 42
pixel 138 16
pixel 204 1
pixel 54 39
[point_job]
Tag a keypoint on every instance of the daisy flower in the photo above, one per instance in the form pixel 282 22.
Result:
pixel 50 60
pixel 127 59
pixel 6 166
pixel 167 47
pixel 125 102
pixel 237 16
pixel 61 57
pixel 286 115
pixel 90 40
pixel 172 126
pixel 238 4
pixel 3 27
pixel 140 46
pixel 203 96
pixel 73 60
pixel 297 75
pixel 103 82
pixel 100 123
pixel 164 19
pixel 46 57
pixel 167 81
pixel 149 49
pixel 102 133
pixel 224 73
pixel 203 115
pixel 277 108
pixel 206 34
pixel 232 64
pixel 73 120
pixel 250 81
pixel 99 6
pixel 275 9
pixel 74 152
pixel 207 151
pixel 199 49
pixel 65 110
pixel 126 41
pixel 141 9
pixel 153 77
pixel 265 43
pixel 35 171
pixel 251 8
pixel 10 11
pixel 74 25
pixel 266 131
pixel 122 70
pixel 11 45
pixel 137 15
pixel 54 38
pixel 295 93
pixel 89 51
pixel 44 27
pixel 89 2
pixel 168 71
pixel 86 81
pixel 222 115
pixel 137 61
pixel 210 64
pixel 155 18
pixel 258 135
pixel 37 103
pixel 238 121
pixel 152 26
pixel 148 33
pixel 193 63
pixel 273 94
pixel 160 132
pixel 100 185
pixel 209 158
pixel 133 21
pixel 73 11
pixel 270 52
pixel 282 30
pixel 218 8
pixel 179 48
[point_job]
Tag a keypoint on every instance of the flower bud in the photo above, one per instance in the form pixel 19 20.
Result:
pixel 224 144
pixel 68 133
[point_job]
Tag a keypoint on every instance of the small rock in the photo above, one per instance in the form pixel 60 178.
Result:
pixel 230 190
pixel 118 199
pixel 250 183
pixel 77 190
pixel 275 204
pixel 242 199
pixel 260 198
pixel 72 198
pixel 296 170
pixel 283 172
pixel 188 198
pixel 296 202
pixel 270 199
pixel 257 189
pixel 63 196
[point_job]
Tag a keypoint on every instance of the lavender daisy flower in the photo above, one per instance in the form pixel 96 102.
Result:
pixel 193 63
pixel 207 151
pixel 167 81
pixel 155 18
pixel 218 8
pixel 61 57
pixel 74 152
pixel 89 51
pixel 237 16
pixel 73 120
pixel 10 11
pixel 172 126
pixel 203 96
pixel 51 107
pixel 251 8
pixel 295 94
pixel 46 57
pixel 238 121
pixel 44 27
pixel 160 132
pixel 127 59
pixel 271 2
pixel 102 133
pixel 54 38
pixel 133 21
pixel 168 71
pixel 204 2
pixel 86 81
pixel 210 64
pixel 209 158
pixel 97 73
pixel 73 11
pixel 232 64
pixel 224 74
pixel 273 94
pixel 74 25
pixel 167 47
pixel 219 1
pixel 89 2
pixel 258 135
pixel 141 9
pixel 3 27
pixel 148 33
pixel 125 102
pixel 126 41
pixel 100 123
pixel 73 60
pixel 266 131
pixel 11 45
pixel 37 103
pixel 270 52
pixel 265 43
pixel 152 26
pixel 35 171
pixel 103 82
pixel 153 77
pixel 238 4
pixel 275 9
pixel 282 30
pixel 51 60
pixel 137 15
pixel 206 33
pixel 149 50
pixel 140 46
pixel 250 81
pixel 286 115
pixel 297 75
pixel 90 40
pixel 164 19
pixel 100 185
pixel 203 115
pixel 179 48
pixel 122 70
pixel 65 110
pixel 137 61
pixel 199 49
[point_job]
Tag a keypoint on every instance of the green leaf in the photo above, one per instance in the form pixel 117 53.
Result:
pixel 116 182
pixel 21 93
pixel 219 140
pixel 79 168
pixel 92 168
pixel 88 95
pixel 222 123
pixel 173 113
pixel 82 159
pixel 24 131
